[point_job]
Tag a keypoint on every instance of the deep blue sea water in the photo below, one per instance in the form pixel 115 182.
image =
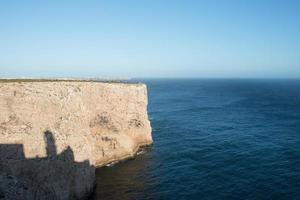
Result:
pixel 214 139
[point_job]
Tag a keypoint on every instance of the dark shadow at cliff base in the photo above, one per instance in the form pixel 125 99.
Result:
pixel 125 181
pixel 57 176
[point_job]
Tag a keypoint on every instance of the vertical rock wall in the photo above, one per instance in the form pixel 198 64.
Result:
pixel 54 133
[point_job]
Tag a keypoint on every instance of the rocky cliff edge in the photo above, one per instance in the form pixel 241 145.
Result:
pixel 54 133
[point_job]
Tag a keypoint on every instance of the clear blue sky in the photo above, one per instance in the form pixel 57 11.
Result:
pixel 212 38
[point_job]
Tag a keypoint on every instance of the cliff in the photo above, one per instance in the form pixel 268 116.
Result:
pixel 54 133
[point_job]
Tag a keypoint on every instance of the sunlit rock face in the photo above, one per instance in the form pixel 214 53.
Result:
pixel 54 133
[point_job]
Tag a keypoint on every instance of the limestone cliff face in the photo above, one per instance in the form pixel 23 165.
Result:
pixel 54 133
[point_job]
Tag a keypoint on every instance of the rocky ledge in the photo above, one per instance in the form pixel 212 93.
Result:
pixel 53 134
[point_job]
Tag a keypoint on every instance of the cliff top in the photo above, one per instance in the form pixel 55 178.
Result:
pixel 120 81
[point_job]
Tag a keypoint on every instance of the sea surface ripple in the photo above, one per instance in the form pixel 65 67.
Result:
pixel 214 139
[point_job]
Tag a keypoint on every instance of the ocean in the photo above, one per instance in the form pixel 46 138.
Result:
pixel 214 139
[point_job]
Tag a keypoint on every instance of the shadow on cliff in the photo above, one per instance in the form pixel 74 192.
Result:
pixel 57 176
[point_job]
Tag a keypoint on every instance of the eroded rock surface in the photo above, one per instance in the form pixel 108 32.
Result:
pixel 54 134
